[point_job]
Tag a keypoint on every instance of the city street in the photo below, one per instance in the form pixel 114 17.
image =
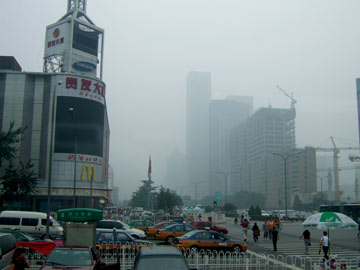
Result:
pixel 345 242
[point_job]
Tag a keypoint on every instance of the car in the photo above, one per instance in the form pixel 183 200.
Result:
pixel 119 225
pixel 205 239
pixel 7 249
pixel 160 257
pixel 26 240
pixel 151 231
pixel 73 257
pixel 116 239
pixel 207 225
pixel 169 233
pixel 141 224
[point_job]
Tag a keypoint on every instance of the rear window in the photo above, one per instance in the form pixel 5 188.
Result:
pixel 29 222
pixel 9 221
pixel 161 262
pixel 7 243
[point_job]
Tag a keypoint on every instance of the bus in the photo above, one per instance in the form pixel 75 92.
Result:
pixel 351 210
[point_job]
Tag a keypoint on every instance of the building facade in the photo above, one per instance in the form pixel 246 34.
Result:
pixel 197 131
pixel 224 115
pixel 64 112
pixel 270 131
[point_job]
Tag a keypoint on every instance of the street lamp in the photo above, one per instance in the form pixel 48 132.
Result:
pixel 225 178
pixel 51 160
pixel 72 111
pixel 285 157
pixel 196 193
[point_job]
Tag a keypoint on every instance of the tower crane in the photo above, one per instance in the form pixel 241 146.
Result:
pixel 293 101
pixel 336 151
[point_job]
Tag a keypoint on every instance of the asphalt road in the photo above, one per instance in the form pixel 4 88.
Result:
pixel 290 232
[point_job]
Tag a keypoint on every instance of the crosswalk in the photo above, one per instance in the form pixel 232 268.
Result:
pixel 297 248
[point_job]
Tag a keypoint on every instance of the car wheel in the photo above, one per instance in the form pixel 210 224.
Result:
pixel 135 236
pixel 237 249
pixel 169 239
pixel 194 249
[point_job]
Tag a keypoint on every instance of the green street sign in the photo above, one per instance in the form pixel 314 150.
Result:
pixel 79 214
pixel 218 195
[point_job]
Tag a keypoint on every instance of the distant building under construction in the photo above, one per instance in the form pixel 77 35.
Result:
pixel 254 166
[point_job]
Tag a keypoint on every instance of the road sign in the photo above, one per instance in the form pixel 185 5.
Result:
pixel 79 214
pixel 218 195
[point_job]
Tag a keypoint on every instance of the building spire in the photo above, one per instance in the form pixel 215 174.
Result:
pixel 77 5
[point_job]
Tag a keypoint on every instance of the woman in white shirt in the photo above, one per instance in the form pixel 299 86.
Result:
pixel 325 243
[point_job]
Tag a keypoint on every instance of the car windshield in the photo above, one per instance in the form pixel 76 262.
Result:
pixel 55 222
pixel 162 263
pixel 125 225
pixel 187 235
pixel 69 257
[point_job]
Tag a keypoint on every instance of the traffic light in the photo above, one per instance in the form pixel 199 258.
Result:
pixel 215 203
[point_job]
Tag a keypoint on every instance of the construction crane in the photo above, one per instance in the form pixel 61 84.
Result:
pixel 329 177
pixel 336 151
pixel 293 101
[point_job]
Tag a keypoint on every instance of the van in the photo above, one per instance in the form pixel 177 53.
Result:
pixel 33 223
pixel 7 249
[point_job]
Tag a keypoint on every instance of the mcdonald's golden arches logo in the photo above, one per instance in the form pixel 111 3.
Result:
pixel 90 173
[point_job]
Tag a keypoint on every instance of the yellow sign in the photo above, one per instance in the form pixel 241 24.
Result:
pixel 90 173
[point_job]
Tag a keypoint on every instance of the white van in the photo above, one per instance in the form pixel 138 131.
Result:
pixel 33 223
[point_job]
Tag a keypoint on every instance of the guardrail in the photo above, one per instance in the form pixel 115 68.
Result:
pixel 216 260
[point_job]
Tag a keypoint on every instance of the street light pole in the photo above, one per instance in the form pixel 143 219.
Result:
pixel 91 189
pixel 285 172
pixel 225 178
pixel 75 150
pixel 50 162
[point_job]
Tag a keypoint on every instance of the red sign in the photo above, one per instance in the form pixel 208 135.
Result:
pixel 88 88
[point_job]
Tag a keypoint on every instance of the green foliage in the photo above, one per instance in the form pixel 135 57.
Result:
pixel 257 211
pixel 229 208
pixel 167 200
pixel 17 182
pixel 144 196
pixel 251 211
pixel 244 199
pixel 298 205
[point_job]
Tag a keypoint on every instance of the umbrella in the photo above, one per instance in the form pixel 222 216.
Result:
pixel 329 220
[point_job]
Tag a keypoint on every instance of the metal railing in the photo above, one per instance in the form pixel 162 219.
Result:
pixel 217 260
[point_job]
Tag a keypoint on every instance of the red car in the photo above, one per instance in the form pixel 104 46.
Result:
pixel 207 225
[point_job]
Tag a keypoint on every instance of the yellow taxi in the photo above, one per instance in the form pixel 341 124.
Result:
pixel 169 233
pixel 206 239
pixel 151 231
pixel 141 224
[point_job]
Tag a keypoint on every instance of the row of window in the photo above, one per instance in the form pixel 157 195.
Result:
pixel 24 221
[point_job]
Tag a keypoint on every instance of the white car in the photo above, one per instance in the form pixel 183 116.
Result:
pixel 107 224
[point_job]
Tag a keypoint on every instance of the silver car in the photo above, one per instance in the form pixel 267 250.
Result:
pixel 108 224
pixel 7 249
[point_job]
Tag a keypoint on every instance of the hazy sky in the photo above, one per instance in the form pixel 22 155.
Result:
pixel 308 47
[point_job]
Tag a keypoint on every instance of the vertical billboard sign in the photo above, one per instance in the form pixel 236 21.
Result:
pixel 57 38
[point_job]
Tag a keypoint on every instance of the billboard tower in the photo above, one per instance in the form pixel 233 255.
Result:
pixel 74 44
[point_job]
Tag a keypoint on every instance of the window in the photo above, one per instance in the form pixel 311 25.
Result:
pixel 122 237
pixel 43 222
pixel 9 221
pixel 29 222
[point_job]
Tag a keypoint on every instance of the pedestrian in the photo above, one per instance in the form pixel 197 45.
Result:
pixel 19 261
pixel 307 240
pixel 325 243
pixel 245 226
pixel 271 227
pixel 256 232
pixel 236 218
pixel 199 216
pixel 266 230
pixel 275 237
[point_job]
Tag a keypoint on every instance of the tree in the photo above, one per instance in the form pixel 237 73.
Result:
pixel 257 211
pixel 251 211
pixel 229 208
pixel 17 182
pixel 144 196
pixel 167 200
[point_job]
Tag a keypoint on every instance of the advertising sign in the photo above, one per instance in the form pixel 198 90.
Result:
pixel 79 215
pixel 57 39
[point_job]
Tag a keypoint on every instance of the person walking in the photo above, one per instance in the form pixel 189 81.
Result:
pixel 275 237
pixel 271 227
pixel 19 261
pixel 245 226
pixel 325 244
pixel 307 240
pixel 266 230
pixel 256 232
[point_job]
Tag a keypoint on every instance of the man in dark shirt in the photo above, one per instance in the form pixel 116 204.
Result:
pixel 275 237
pixel 307 240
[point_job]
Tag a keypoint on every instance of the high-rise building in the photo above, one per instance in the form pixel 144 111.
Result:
pixel 224 115
pixel 270 131
pixel 197 131
pixel 64 110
